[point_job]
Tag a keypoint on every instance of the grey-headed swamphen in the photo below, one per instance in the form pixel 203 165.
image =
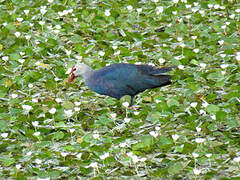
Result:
pixel 120 79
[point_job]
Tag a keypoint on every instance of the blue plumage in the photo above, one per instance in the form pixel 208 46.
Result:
pixel 121 79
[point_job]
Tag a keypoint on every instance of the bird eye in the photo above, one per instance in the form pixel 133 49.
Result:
pixel 74 69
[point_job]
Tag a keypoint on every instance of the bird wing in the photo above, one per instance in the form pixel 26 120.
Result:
pixel 118 80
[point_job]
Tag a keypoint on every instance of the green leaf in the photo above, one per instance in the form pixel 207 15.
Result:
pixel 7 161
pixel 3 125
pixel 58 135
pixel 211 108
pixel 172 102
pixel 175 168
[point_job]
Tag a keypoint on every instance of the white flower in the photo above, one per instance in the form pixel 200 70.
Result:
pixel 195 155
pixel 27 107
pixel 194 104
pixel 35 123
pixel 223 66
pixel 21 61
pixel 93 165
pixel 205 104
pixel 125 104
pixel 179 38
pixel 50 1
pixel 43 11
pixel 161 60
pixel 122 145
pixel 198 129
pixel 184 1
pixel 153 133
pixel 216 6
pixel 129 7
pixel 19 19
pixel 139 10
pixel 210 5
pixel 29 153
pixel 52 110
pixel 30 85
pixel 232 16
pixel 202 112
pixel 199 140
pixel 130 154
pixel 104 156
pixel 101 53
pixel 4 135
pixel 208 155
pixel 136 113
pixel 26 11
pixel 223 55
pixel 58 100
pixel 175 1
pixel 68 113
pixel 237 10
pixel 135 159
pixel 127 120
pixel 27 37
pixel 223 26
pixel 196 171
pixel 41 22
pixel 213 117
pixel 96 136
pixel 227 23
pixel 5 24
pixel 38 161
pixel 5 58
pixel 79 155
pixel 117 53
pixel 203 65
pixel 17 34
pixel 37 133
pixel 223 72
pixel 58 26
pixel 159 9
pixel 236 159
pixel 75 19
pixel 143 159
pixel 64 154
pixel 71 130
pixel 182 45
pixel 114 47
pixel 68 52
pixel 155 1
pixel 14 95
pixel 175 137
pixel 18 166
pixel 107 12
pixel 201 12
pixel 195 4
pixel 238 56
pixel 174 12
pixel 188 6
pixel 181 67
pixel 157 128
pixel 76 109
pixel 113 115
pixel 56 31
pixel 77 103
pixel 194 37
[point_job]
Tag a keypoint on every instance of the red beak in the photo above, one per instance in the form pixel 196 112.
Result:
pixel 72 75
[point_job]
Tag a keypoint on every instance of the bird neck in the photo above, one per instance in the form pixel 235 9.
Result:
pixel 87 73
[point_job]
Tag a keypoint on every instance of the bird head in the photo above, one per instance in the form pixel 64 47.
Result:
pixel 78 70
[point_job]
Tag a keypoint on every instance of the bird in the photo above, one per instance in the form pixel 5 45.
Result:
pixel 120 79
